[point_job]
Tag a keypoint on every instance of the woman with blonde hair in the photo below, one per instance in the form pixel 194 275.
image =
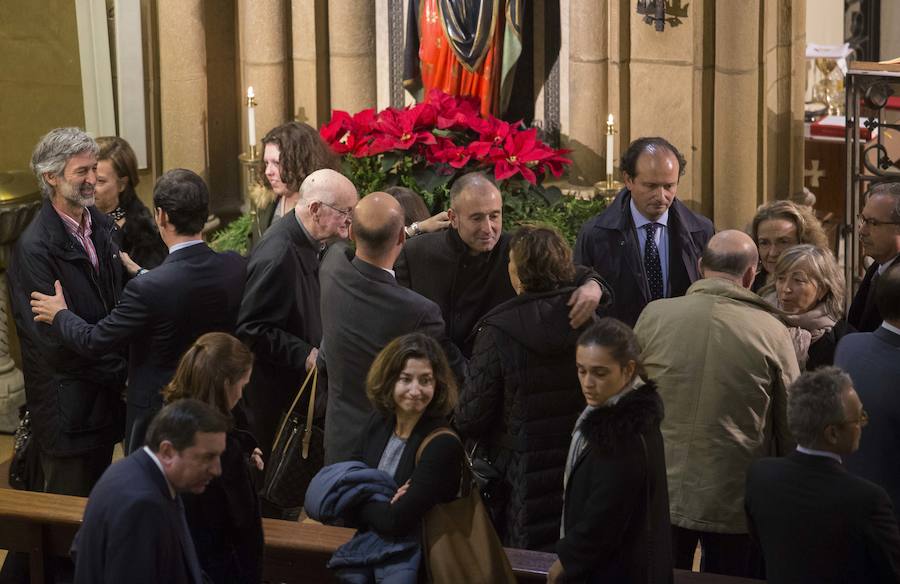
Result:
pixel 777 226
pixel 809 287
pixel 224 520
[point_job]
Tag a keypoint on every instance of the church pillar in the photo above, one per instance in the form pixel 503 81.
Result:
pixel 310 52
pixel 588 105
pixel 183 96
pixel 351 26
pixel 263 26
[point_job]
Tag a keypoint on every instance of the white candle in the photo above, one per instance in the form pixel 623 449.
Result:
pixel 609 145
pixel 251 118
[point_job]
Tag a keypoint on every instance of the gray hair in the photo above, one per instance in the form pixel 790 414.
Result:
pixel 888 189
pixel 819 264
pixel 814 401
pixel 475 180
pixel 54 151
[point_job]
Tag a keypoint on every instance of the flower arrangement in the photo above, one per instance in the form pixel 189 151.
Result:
pixel 427 145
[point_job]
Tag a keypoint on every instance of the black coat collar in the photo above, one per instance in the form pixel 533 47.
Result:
pixel 638 412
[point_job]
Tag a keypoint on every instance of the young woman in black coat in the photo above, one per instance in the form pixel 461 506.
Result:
pixel 616 508
pixel 224 520
pixel 521 395
pixel 412 390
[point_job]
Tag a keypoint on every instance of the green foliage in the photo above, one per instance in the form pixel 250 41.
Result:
pixel 235 237
pixel 567 214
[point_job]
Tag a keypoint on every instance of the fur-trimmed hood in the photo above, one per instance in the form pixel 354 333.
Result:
pixel 638 412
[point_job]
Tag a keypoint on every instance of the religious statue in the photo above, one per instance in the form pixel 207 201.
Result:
pixel 464 47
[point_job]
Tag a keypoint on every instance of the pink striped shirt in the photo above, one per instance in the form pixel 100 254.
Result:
pixel 81 232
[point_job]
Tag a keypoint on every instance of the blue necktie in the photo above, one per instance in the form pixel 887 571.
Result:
pixel 652 266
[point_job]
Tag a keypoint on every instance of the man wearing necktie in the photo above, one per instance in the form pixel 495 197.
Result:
pixel 134 527
pixel 646 244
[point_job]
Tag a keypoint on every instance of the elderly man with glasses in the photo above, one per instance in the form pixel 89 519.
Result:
pixel 879 233
pixel 815 521
pixel 279 317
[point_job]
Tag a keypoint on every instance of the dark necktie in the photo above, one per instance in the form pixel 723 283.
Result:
pixel 652 266
pixel 190 552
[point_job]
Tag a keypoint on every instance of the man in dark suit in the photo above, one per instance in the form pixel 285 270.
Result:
pixel 75 401
pixel 816 522
pixel 134 528
pixel 363 309
pixel 194 291
pixel 873 362
pixel 879 233
pixel 279 318
pixel 646 244
pixel 464 269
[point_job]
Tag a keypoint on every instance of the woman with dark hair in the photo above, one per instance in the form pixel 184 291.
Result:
pixel 291 152
pixel 412 390
pixel 224 520
pixel 777 226
pixel 117 177
pixel 416 217
pixel 521 394
pixel 616 510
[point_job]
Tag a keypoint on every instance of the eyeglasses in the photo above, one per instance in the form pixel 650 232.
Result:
pixel 863 420
pixel 873 222
pixel 344 212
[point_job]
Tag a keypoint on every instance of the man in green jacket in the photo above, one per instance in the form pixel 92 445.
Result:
pixel 722 360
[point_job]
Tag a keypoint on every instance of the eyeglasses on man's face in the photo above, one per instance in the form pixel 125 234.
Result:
pixel 862 420
pixel 868 221
pixel 344 212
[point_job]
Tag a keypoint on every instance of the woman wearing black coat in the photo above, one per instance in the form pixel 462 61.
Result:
pixel 412 390
pixel 224 520
pixel 616 510
pixel 117 176
pixel 521 396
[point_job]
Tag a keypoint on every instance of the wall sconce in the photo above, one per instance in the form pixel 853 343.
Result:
pixel 655 12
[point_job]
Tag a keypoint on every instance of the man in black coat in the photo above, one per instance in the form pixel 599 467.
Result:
pixel 816 522
pixel 75 401
pixel 872 360
pixel 879 233
pixel 464 269
pixel 162 311
pixel 134 527
pixel 646 244
pixel 363 309
pixel 279 318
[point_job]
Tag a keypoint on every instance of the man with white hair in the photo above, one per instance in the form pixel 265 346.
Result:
pixel 77 412
pixel 279 317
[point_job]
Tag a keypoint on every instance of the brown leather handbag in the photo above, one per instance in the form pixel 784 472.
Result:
pixel 459 543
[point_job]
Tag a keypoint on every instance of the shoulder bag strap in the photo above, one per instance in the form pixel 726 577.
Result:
pixel 310 411
pixel 294 403
pixel 431 436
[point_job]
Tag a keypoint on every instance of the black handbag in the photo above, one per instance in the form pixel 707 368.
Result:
pixel 25 466
pixel 298 453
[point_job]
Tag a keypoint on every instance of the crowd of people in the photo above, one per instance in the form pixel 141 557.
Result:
pixel 658 388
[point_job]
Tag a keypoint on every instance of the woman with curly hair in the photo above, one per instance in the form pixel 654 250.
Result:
pixel 777 226
pixel 117 176
pixel 291 152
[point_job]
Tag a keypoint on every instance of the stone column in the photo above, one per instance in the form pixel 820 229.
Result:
pixel 737 162
pixel 182 72
pixel 12 384
pixel 264 42
pixel 352 63
pixel 588 104
pixel 310 44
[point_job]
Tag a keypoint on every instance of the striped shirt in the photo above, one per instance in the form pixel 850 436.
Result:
pixel 81 232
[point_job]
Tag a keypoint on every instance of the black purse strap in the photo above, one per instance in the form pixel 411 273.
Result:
pixel 314 375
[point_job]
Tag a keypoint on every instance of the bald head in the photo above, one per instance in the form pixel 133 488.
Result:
pixel 326 199
pixel 730 254
pixel 377 228
pixel 325 185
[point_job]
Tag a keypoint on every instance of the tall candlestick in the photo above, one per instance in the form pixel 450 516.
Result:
pixel 610 130
pixel 251 119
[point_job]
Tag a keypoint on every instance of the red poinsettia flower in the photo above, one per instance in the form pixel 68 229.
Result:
pixel 556 162
pixel 447 152
pixel 400 129
pixel 492 134
pixel 521 154
pixel 453 113
pixel 338 133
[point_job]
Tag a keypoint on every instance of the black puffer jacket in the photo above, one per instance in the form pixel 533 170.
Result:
pixel 76 403
pixel 520 402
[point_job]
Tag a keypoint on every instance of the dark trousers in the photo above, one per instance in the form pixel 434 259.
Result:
pixel 75 475
pixel 731 554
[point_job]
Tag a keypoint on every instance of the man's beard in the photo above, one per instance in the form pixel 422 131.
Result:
pixel 80 197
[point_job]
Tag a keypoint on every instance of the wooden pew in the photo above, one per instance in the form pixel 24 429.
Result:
pixel 43 526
